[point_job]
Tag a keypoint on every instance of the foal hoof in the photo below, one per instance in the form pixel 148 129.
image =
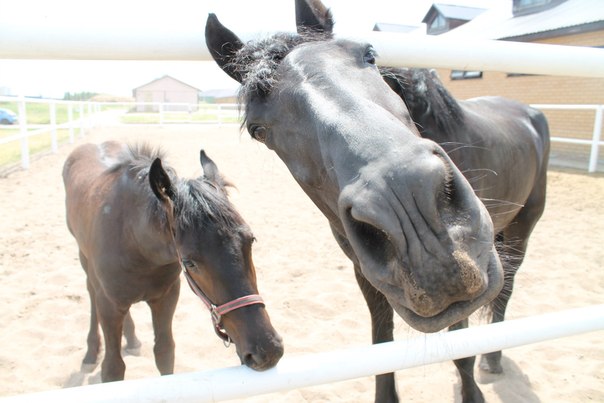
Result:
pixel 134 351
pixel 88 368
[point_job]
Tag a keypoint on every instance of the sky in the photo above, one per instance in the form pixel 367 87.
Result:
pixel 247 18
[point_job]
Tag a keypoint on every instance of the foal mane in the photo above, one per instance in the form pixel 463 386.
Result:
pixel 426 97
pixel 198 201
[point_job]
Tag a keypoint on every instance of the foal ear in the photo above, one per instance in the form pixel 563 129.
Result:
pixel 160 182
pixel 312 15
pixel 223 44
pixel 210 170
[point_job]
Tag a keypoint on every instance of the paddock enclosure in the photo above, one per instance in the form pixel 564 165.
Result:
pixel 307 283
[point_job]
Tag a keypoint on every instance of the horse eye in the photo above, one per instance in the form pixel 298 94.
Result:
pixel 370 55
pixel 189 264
pixel 258 133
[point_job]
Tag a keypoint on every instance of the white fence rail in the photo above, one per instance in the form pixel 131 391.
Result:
pixel 596 137
pixel 334 366
pixel 49 39
pixel 89 114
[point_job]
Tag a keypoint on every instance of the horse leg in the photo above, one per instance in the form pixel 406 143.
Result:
pixel 382 326
pixel 93 341
pixel 162 311
pixel 111 317
pixel 513 242
pixel 470 392
pixel 132 342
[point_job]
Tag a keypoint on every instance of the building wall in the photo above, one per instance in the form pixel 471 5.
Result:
pixel 165 90
pixel 533 89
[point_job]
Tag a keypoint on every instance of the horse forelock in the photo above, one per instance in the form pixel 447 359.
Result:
pixel 200 201
pixel 259 60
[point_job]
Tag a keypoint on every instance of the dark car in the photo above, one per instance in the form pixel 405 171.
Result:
pixel 8 117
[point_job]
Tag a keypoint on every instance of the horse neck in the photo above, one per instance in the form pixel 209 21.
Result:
pixel 434 110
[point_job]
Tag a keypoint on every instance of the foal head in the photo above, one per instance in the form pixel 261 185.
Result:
pixel 410 219
pixel 214 246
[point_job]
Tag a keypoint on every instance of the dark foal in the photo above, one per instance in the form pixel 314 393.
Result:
pixel 137 224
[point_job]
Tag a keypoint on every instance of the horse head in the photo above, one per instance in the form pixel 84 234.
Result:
pixel 214 247
pixel 401 209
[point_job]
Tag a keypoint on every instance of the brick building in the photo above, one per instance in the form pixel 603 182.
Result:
pixel 560 22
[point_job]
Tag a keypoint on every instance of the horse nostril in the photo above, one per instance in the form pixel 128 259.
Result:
pixel 261 361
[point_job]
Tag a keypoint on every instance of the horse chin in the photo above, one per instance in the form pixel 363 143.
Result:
pixel 453 313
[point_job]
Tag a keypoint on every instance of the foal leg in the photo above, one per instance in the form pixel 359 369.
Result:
pixel 162 311
pixel 382 326
pixel 470 393
pixel 133 344
pixel 111 317
pixel 93 341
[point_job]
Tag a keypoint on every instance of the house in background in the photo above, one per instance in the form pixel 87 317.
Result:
pixel 166 89
pixel 441 18
pixel 560 22
pixel 399 28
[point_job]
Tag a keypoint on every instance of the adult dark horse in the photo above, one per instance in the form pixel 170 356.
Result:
pixel 420 240
pixel 137 224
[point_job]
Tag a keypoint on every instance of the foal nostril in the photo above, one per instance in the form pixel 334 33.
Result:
pixel 262 361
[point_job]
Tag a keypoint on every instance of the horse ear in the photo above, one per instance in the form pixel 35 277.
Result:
pixel 223 44
pixel 312 15
pixel 210 170
pixel 160 182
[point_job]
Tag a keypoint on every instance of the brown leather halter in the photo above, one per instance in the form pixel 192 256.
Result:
pixel 216 311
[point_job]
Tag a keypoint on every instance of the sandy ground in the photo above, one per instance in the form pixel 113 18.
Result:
pixel 308 284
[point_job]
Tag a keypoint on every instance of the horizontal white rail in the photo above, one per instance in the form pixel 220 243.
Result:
pixel 596 136
pixel 317 369
pixel 48 40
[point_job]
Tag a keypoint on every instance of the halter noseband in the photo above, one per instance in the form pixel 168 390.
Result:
pixel 216 312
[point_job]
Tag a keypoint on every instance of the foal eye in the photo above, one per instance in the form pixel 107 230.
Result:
pixel 258 133
pixel 189 264
pixel 370 55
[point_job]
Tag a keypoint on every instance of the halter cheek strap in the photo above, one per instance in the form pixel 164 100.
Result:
pixel 218 311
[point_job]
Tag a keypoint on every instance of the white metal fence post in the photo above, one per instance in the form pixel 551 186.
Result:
pixel 70 121
pixel 161 114
pixel 81 105
pixel 54 145
pixel 595 144
pixel 23 132
pixel 89 120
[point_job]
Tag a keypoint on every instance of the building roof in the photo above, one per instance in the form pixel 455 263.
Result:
pixel 163 78
pixel 499 22
pixel 452 11
pixel 399 28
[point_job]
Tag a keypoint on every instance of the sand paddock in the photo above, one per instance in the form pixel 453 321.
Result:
pixel 307 282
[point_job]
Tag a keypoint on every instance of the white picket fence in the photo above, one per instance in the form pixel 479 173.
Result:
pixel 82 116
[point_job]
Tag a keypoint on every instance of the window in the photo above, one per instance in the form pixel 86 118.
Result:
pixel 524 7
pixel 465 75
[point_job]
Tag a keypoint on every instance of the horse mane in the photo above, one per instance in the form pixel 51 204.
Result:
pixel 426 97
pixel 198 201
